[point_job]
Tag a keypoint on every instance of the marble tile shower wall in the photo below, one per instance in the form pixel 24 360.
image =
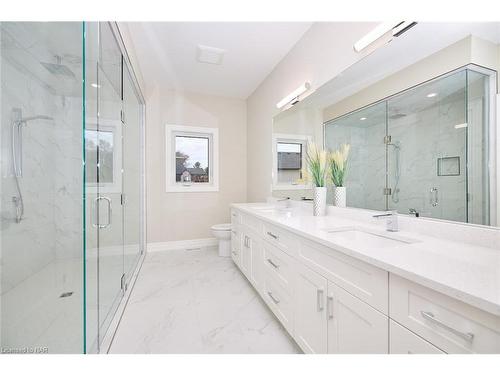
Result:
pixel 52 178
pixel 365 179
pixel 425 136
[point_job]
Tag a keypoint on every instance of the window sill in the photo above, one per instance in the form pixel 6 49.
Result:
pixel 292 187
pixel 195 188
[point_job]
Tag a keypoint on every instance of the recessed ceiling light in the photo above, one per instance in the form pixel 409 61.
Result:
pixel 363 118
pixel 210 55
pixel 95 85
pixel 432 94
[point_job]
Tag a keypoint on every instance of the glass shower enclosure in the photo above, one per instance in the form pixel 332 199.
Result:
pixel 72 208
pixel 426 149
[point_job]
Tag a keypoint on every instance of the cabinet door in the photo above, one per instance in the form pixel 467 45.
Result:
pixel 246 254
pixel 236 244
pixel 354 326
pixel 255 244
pixel 403 341
pixel 310 310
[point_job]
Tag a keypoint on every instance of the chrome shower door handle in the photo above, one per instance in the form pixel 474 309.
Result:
pixel 96 213
pixel 433 196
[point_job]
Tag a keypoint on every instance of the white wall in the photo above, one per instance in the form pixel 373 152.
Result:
pixel 186 216
pixel 322 53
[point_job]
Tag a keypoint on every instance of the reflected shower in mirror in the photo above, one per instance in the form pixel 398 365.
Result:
pixel 420 116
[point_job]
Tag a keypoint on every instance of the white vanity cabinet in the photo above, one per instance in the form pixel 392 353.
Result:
pixel 330 302
pixel 354 327
pixel 311 324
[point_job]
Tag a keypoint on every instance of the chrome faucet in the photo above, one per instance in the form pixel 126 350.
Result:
pixel 414 212
pixel 282 199
pixel 286 200
pixel 392 220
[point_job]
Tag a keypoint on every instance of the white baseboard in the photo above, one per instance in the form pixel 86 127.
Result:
pixel 182 245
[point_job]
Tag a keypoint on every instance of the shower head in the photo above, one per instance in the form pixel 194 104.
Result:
pixel 58 68
pixel 18 119
pixel 396 116
pixel 37 117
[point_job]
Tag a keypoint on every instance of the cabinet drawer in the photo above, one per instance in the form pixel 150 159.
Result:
pixel 280 238
pixel 368 283
pixel 403 341
pixel 451 325
pixel 278 265
pixel 251 222
pixel 279 301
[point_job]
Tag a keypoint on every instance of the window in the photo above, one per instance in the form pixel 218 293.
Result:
pixel 288 161
pixel 109 168
pixel 192 159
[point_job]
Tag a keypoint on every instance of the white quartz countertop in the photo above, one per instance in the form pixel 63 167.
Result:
pixel 466 272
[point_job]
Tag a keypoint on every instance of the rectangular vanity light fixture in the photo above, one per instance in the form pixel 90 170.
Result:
pixel 293 97
pixel 384 33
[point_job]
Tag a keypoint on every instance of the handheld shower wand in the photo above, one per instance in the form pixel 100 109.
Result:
pixel 17 153
pixel 397 170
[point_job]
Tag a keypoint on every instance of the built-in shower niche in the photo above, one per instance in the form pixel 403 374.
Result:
pixel 426 148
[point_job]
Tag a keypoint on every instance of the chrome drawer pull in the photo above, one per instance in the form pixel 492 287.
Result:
pixel 329 307
pixel 275 300
pixel 430 316
pixel 272 263
pixel 270 234
pixel 319 297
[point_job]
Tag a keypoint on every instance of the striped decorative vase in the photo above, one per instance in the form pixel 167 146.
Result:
pixel 339 196
pixel 319 202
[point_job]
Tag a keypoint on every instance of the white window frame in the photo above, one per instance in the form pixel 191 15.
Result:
pixel 114 127
pixel 171 131
pixel 288 138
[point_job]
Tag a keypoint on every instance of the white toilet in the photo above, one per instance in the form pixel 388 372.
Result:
pixel 223 233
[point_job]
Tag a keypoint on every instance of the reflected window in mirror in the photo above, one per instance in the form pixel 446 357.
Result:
pixel 103 155
pixel 289 160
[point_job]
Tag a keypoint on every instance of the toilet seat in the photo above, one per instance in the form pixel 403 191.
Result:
pixel 222 227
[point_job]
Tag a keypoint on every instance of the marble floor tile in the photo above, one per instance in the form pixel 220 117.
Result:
pixel 197 302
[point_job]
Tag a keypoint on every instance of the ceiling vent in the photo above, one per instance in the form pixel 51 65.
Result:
pixel 210 55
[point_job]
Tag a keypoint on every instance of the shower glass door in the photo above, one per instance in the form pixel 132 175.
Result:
pixel 113 132
pixel 132 174
pixel 41 227
pixel 365 130
pixel 104 182
pixel 425 149
pixel 427 164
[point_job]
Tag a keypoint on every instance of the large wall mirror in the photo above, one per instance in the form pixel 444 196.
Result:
pixel 420 115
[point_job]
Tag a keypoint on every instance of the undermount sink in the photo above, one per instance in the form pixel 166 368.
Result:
pixel 273 210
pixel 367 237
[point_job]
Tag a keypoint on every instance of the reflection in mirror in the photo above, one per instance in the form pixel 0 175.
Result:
pixel 292 131
pixel 420 116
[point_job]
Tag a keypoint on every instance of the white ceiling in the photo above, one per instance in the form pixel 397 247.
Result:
pixel 166 53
